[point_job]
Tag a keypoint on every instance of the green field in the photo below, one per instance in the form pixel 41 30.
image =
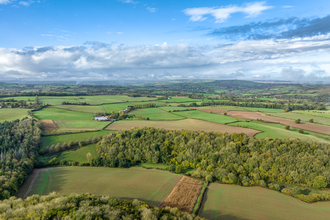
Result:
pixel 315 113
pixel 206 116
pixel 266 110
pixel 155 114
pixel 116 107
pixel 273 130
pixel 50 113
pixel 180 99
pixel 80 125
pixel 151 186
pixel 227 202
pixel 303 117
pixel 171 108
pixel 11 114
pixel 82 108
pixel 65 138
pixel 75 155
pixel 103 99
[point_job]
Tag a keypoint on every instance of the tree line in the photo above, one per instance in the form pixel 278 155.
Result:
pixel 19 145
pixel 85 206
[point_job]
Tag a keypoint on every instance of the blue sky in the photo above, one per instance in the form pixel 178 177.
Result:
pixel 132 39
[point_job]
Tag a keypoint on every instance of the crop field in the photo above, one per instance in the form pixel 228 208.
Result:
pixel 180 99
pixel 172 108
pixel 229 202
pixel 303 117
pixel 82 108
pixel 77 154
pixel 266 110
pixel 151 186
pixel 104 99
pixel 155 114
pixel 61 114
pixel 65 138
pixel 79 125
pixel 257 115
pixel 187 124
pixel 273 130
pixel 9 114
pixel 49 126
pixel 184 195
pixel 206 116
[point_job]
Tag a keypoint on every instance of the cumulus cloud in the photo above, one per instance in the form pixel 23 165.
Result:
pixel 151 9
pixel 300 75
pixel 128 1
pixel 223 13
pixel 276 29
pixel 25 3
pixel 100 61
pixel 4 1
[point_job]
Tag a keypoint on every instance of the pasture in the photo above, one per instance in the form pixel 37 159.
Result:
pixel 51 113
pixel 65 138
pixel 187 124
pixel 254 203
pixel 303 117
pixel 151 186
pixel 82 108
pixel 180 99
pixel 273 130
pixel 104 99
pixel 315 113
pixel 155 114
pixel 11 114
pixel 116 107
pixel 77 154
pixel 79 125
pixel 206 116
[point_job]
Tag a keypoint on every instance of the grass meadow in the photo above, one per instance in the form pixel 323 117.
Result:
pixel 151 186
pixel 155 114
pixel 65 138
pixel 77 154
pixel 315 113
pixel 229 202
pixel 273 130
pixel 80 125
pixel 82 108
pixel 103 99
pixel 11 114
pixel 180 99
pixel 61 114
pixel 116 107
pixel 304 117
pixel 206 116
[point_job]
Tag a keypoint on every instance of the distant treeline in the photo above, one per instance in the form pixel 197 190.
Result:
pixel 75 103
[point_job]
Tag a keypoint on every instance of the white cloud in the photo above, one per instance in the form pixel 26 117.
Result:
pixel 4 1
pixel 223 13
pixel 152 10
pixel 128 1
pixel 99 61
pixel 25 3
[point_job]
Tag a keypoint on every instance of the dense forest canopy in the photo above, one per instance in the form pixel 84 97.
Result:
pixel 233 159
pixel 19 144
pixel 85 206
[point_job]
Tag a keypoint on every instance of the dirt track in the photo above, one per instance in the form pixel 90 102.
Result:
pixel 258 115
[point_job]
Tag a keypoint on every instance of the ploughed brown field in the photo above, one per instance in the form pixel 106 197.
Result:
pixel 184 195
pixel 258 115
pixel 49 126
pixel 186 124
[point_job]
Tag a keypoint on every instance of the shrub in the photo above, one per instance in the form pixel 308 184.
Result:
pixel 179 169
pixel 311 120
pixel 301 131
pixel 209 179
pixel 287 127
pixel 297 121
pixel 225 114
pixel 287 191
pixel 82 143
pixel 320 182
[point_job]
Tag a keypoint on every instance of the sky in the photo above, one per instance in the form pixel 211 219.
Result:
pixel 104 40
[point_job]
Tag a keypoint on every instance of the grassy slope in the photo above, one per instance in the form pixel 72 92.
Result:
pixel 101 99
pixel 151 186
pixel 206 116
pixel 61 114
pixel 180 99
pixel 82 108
pixel 155 114
pixel 272 130
pixel 81 125
pixel 78 154
pixel 254 203
pixel 49 140
pixel 8 114
pixel 120 106
pixel 303 117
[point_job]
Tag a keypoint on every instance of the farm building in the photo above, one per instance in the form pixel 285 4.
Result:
pixel 101 118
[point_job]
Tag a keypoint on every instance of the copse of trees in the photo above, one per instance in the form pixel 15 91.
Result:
pixel 232 159
pixel 85 206
pixel 19 144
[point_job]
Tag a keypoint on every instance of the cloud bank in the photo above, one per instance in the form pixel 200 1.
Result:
pixel 223 13
pixel 100 61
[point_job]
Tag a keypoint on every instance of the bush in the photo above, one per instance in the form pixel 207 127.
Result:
pixel 297 121
pixel 225 114
pixel 82 143
pixel 171 168
pixel 320 182
pixel 287 127
pixel 311 120
pixel 179 169
pixel 287 191
pixel 301 131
